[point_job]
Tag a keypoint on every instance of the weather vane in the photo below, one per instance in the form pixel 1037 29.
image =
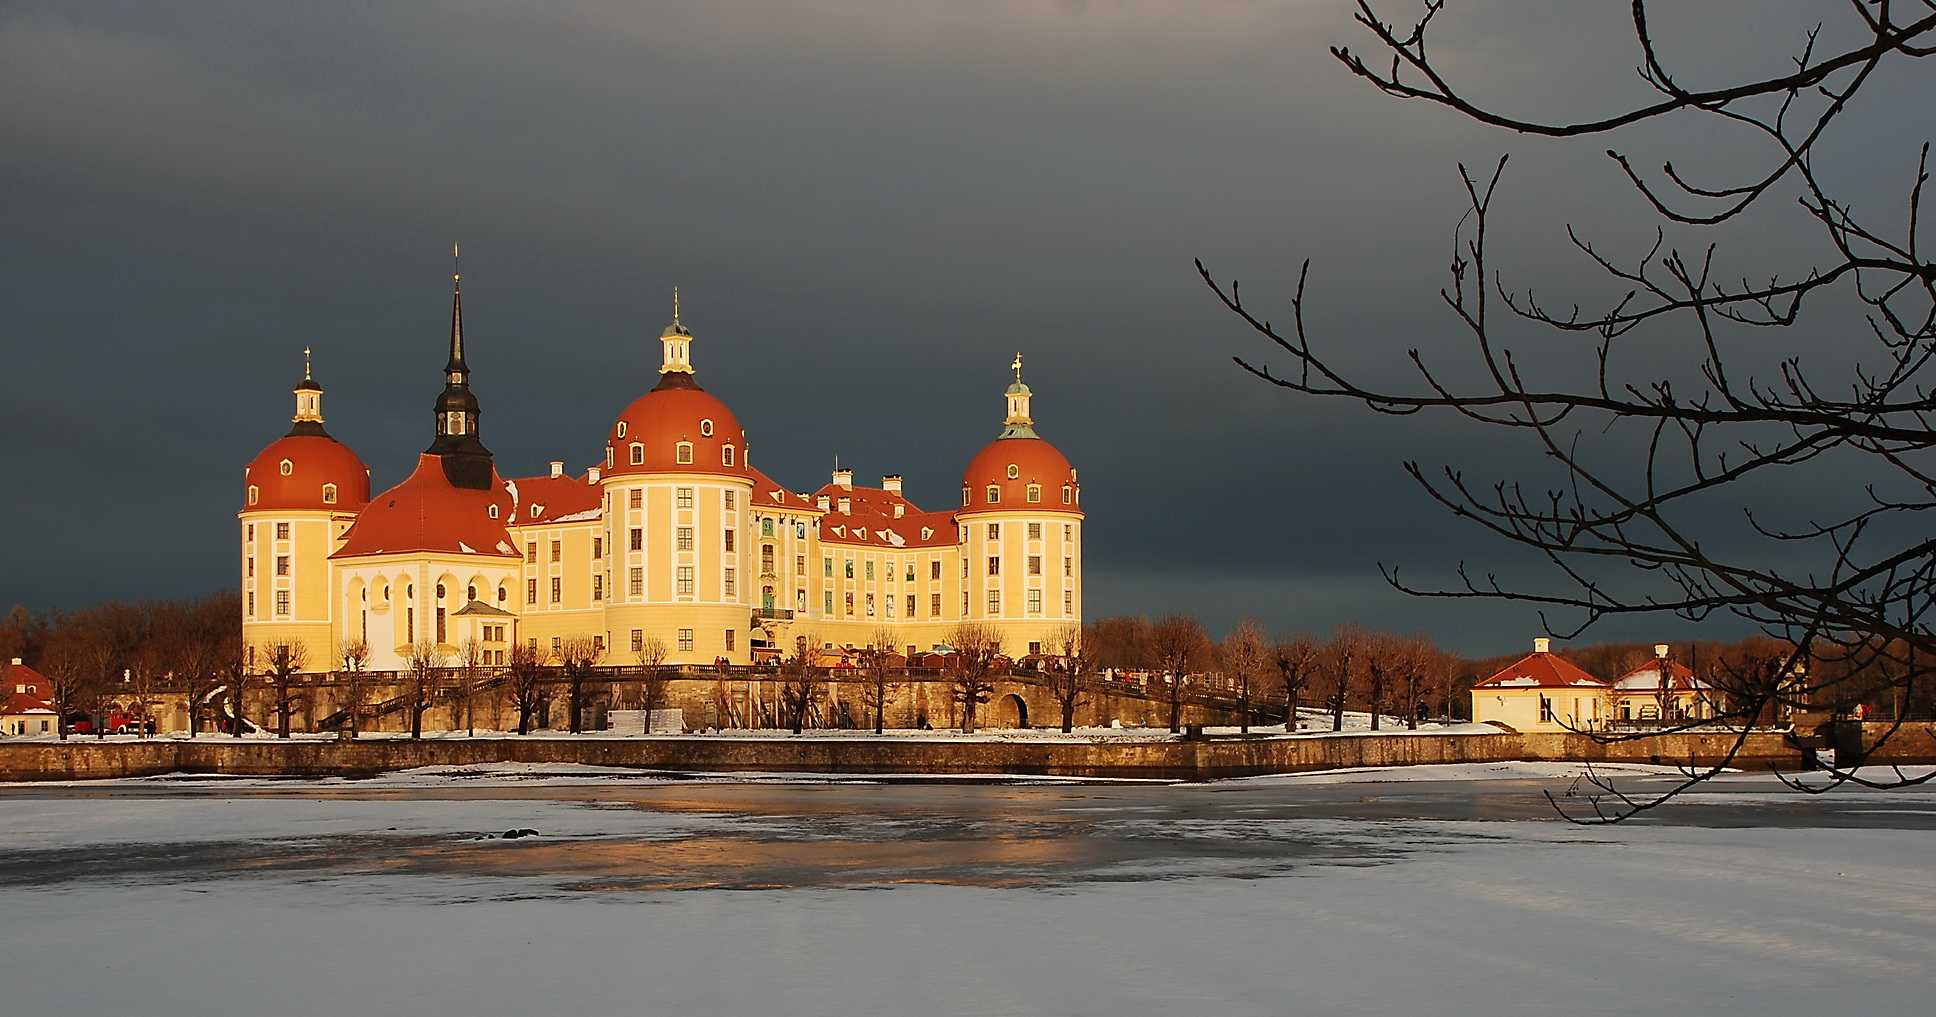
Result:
pixel 1017 365
pixel 675 305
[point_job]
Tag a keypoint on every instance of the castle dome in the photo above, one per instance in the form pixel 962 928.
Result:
pixel 1019 464
pixel 306 468
pixel 677 427
pixel 429 513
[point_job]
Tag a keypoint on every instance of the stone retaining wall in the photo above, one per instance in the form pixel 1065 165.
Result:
pixel 1160 757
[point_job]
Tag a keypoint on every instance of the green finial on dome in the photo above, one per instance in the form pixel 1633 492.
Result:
pixel 675 328
pixel 1018 424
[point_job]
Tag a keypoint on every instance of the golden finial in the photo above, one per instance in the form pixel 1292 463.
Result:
pixel 453 262
pixel 306 376
pixel 1017 365
pixel 675 305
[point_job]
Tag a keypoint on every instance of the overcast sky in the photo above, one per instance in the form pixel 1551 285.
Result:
pixel 868 208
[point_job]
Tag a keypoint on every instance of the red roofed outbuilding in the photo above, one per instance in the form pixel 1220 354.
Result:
pixel 1541 692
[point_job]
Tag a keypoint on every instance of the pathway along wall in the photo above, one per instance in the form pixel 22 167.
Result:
pixel 1157 759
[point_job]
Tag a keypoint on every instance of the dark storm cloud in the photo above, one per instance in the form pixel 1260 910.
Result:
pixel 869 206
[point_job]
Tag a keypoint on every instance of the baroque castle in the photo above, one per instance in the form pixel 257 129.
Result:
pixel 673 540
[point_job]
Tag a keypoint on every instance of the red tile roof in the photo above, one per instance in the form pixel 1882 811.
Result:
pixel 314 460
pixel 17 675
pixel 1646 678
pixel 1034 461
pixel 549 499
pixel 1543 671
pixel 427 513
pixel 20 702
pixel 870 520
pixel 676 411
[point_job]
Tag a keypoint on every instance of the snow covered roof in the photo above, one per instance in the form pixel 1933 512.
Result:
pixel 1539 670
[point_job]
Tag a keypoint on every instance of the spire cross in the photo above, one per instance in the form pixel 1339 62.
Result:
pixel 1017 365
pixel 306 376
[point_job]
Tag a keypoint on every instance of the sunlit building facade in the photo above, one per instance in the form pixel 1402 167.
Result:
pixel 672 543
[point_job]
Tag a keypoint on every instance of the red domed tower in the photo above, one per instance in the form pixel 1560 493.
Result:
pixel 299 495
pixel 1021 518
pixel 678 505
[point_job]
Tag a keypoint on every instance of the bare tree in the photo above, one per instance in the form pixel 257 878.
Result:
pixel 877 661
pixel 1651 451
pixel 1246 652
pixel 1069 678
pixel 423 673
pixel 576 656
pixel 1297 662
pixel 463 692
pixel 353 687
pixel 801 686
pixel 1383 658
pixel 652 655
pixel 971 668
pixel 1420 665
pixel 526 676
pixel 1177 643
pixel 282 665
pixel 70 682
pixel 1342 658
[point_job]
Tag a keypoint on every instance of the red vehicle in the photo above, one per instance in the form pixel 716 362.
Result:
pixel 111 723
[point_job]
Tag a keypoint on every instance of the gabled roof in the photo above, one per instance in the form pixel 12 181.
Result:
pixel 1646 678
pixel 769 495
pixel 481 609
pixel 870 521
pixel 17 674
pixel 21 703
pixel 547 499
pixel 427 513
pixel 1541 671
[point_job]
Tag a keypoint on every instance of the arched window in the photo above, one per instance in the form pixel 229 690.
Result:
pixel 726 455
pixel 440 591
pixel 329 494
pixel 682 453
pixel 638 453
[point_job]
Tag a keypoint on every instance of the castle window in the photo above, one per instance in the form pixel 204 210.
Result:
pixel 1068 566
pixel 730 541
pixel 706 428
pixel 1068 602
pixel 492 511
pixel 252 525
pixel 556 548
pixel 531 591
pixel 729 640
pixel 732 498
pixel 685 640
pixel 282 602
pixel 870 605
pixel 826 601
pixel 684 497
pixel 598 547
pixel 557 589
pixel 726 455
pixel 732 584
pixel 827 567
pixel 1035 492
pixel 1068 495
pixel 535 509
pixel 934 569
pixel 850 604
pixel 282 531
pixel 685 580
pixel 609 457
pixel 531 552
pixel 994 602
pixel 766 527
pixel 766 558
pixel 870 569
pixel 994 531
pixel 1035 565
pixel 251 572
pixel 282 564
pixel 682 453
pixel 503 594
pixel 1035 601
pixel 638 538
pixel 251 603
pixel 637 582
pixel 1068 532
pixel 685 538
pixel 850 568
pixel 621 428
pixel 1013 471
pixel 598 586
pixel 635 498
pixel 964 496
pixel 638 453
pixel 994 495
pixel 288 467
pixel 994 565
pixel 934 605
pixel 1035 531
pixel 470 593
pixel 329 494
pixel 638 640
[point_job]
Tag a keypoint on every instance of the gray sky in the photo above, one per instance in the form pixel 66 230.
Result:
pixel 868 208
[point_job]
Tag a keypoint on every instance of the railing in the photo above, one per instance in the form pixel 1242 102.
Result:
pixel 772 613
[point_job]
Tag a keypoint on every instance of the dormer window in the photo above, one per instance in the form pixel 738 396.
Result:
pixel 638 454
pixel 609 456
pixel 254 494
pixel 994 495
pixel 288 467
pixel 1068 495
pixel 682 453
pixel 535 509
pixel 964 496
pixel 492 511
pixel 1035 492
pixel 706 428
pixel 621 428
pixel 329 494
pixel 726 455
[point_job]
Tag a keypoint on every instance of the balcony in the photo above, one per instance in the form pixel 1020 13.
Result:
pixel 772 614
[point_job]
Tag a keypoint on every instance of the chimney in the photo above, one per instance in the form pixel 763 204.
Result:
pixel 846 506
pixel 592 475
pixel 824 502
pixel 899 510
pixel 891 483
pixel 557 468
pixel 1542 645
pixel 1660 649
pixel 845 479
pixel 16 661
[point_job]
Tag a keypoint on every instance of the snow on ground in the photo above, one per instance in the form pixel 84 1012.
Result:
pixel 1260 896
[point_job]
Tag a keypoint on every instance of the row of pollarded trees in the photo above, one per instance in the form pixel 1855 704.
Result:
pixel 1355 669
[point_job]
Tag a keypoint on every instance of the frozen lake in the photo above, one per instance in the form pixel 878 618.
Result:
pixel 1442 890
